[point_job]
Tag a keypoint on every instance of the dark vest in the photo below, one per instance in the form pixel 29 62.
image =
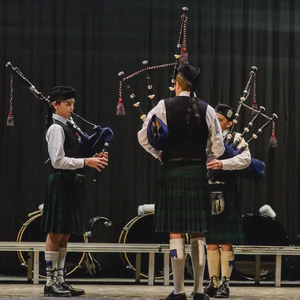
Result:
pixel 185 141
pixel 71 144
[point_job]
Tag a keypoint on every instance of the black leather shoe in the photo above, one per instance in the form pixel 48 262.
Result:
pixel 223 291
pixel 210 289
pixel 198 296
pixel 172 296
pixel 70 289
pixel 56 290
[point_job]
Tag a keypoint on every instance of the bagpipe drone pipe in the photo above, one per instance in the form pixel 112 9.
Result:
pixel 96 140
pixel 235 146
pixel 157 131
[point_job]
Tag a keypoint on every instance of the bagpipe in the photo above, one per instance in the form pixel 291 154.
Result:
pixel 157 131
pixel 97 140
pixel 256 170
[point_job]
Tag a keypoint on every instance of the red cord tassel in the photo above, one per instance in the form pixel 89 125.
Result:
pixel 120 110
pixel 254 105
pixel 273 143
pixel 10 119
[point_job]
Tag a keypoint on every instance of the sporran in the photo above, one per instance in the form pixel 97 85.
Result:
pixel 217 202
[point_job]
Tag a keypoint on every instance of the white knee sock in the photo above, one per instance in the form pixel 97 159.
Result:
pixel 213 262
pixel 51 258
pixel 177 253
pixel 198 261
pixel 227 259
pixel 61 264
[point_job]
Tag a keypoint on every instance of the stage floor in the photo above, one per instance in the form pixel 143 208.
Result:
pixel 107 289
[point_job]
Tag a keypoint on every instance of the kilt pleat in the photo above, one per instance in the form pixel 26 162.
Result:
pixel 63 211
pixel 182 199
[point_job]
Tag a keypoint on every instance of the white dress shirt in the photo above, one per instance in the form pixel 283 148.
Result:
pixel 55 138
pixel 240 161
pixel 215 145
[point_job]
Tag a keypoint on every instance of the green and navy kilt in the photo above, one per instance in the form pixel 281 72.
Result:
pixel 63 211
pixel 182 198
pixel 226 227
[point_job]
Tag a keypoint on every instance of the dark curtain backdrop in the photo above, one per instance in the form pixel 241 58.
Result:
pixel 86 43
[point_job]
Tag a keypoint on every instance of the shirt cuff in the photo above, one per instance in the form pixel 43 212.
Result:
pixel 79 163
pixel 226 165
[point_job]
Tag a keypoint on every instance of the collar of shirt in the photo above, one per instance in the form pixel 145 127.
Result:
pixel 225 132
pixel 186 94
pixel 59 118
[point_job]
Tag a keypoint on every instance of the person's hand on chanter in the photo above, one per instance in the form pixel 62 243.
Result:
pixel 96 162
pixel 214 164
pixel 102 154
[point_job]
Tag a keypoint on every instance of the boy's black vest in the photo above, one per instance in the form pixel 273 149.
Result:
pixel 185 141
pixel 71 144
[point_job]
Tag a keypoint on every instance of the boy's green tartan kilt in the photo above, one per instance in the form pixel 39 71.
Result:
pixel 63 211
pixel 182 198
pixel 226 227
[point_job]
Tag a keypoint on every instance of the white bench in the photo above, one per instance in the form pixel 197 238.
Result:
pixel 151 249
pixel 37 247
pixel 278 251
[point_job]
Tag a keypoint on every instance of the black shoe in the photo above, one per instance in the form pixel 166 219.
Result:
pixel 70 289
pixel 56 290
pixel 172 296
pixel 210 289
pixel 223 290
pixel 198 296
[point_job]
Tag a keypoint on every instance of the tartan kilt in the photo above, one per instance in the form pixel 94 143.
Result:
pixel 227 227
pixel 182 198
pixel 63 211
